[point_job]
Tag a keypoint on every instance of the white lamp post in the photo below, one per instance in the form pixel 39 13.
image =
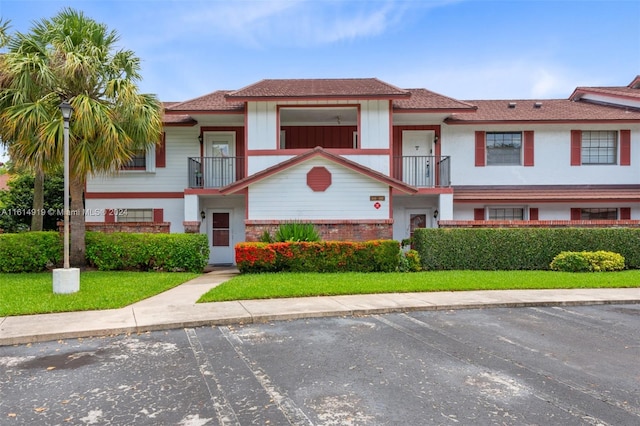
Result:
pixel 66 280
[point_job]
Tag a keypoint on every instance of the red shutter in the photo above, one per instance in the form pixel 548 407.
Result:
pixel 625 147
pixel 533 213
pixel 625 213
pixel 480 149
pixel 528 148
pixel 161 156
pixel 158 215
pixel 478 214
pixel 575 214
pixel 109 216
pixel 576 147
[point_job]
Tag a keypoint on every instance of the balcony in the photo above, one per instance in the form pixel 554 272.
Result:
pixel 214 172
pixel 429 171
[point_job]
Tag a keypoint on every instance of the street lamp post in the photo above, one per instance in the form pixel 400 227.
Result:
pixel 67 279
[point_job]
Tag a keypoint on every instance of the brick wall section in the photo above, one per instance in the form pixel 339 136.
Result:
pixel 539 223
pixel 339 230
pixel 131 227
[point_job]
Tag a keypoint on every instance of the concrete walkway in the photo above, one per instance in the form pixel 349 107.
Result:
pixel 177 308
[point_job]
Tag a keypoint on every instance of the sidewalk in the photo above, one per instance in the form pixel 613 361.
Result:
pixel 177 308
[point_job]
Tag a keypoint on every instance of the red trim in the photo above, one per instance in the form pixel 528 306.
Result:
pixel 128 195
pixel 202 111
pixel 625 213
pixel 233 98
pixel 337 151
pixel 528 148
pixel 575 214
pixel 109 216
pixel 459 123
pixel 200 191
pixel 625 147
pixel 480 149
pixel 576 147
pixel 478 214
pixel 533 213
pixel 158 215
pixel 161 152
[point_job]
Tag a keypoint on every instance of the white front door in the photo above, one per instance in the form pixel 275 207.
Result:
pixel 220 164
pixel 417 147
pixel 220 237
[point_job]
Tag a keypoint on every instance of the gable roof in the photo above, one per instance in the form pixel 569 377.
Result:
pixel 339 88
pixel 313 153
pixel 426 100
pixel 631 91
pixel 543 110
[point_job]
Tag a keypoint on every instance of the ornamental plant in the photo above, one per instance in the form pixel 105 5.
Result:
pixel 587 261
pixel 296 231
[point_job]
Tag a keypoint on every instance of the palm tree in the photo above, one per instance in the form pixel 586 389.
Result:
pixel 72 58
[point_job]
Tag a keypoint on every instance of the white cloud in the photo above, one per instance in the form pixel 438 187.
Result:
pixel 517 79
pixel 286 23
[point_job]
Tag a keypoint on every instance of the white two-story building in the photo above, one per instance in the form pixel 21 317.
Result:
pixel 363 159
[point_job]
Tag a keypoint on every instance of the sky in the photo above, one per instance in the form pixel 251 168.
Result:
pixel 466 49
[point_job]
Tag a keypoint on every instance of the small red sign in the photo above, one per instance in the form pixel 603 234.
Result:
pixel 377 205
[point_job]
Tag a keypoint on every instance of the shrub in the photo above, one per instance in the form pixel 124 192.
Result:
pixel 147 252
pixel 586 261
pixel 570 261
pixel 296 231
pixel 518 248
pixel 409 261
pixel 30 251
pixel 327 256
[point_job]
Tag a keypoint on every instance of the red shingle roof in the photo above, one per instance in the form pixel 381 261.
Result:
pixel 422 99
pixel 543 110
pixel 340 88
pixel 215 101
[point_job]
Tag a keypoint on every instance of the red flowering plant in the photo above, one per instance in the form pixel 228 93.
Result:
pixel 255 257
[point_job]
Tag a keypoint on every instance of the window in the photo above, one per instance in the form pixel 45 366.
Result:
pixel 504 148
pixel 137 162
pixel 599 214
pixel 599 147
pixel 506 213
pixel 134 215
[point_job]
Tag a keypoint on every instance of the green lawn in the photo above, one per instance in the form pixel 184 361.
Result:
pixel 22 294
pixel 263 286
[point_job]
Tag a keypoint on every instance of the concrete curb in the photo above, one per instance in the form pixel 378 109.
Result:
pixel 144 317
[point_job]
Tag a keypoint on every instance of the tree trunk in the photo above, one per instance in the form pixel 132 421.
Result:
pixel 77 257
pixel 37 219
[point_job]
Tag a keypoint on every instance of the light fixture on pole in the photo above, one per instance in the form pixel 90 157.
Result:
pixel 67 279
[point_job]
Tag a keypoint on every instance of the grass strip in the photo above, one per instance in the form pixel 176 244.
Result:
pixel 282 285
pixel 24 294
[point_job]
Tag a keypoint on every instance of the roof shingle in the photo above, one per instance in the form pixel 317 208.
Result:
pixel 340 88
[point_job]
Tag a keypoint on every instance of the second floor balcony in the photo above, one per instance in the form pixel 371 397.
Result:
pixel 419 171
pixel 214 172
pixel 430 171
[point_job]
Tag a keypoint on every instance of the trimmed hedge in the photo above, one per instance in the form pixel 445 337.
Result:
pixel 325 256
pixel 147 252
pixel 30 251
pixel 518 248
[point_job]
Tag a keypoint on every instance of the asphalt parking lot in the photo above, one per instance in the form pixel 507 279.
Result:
pixel 522 366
